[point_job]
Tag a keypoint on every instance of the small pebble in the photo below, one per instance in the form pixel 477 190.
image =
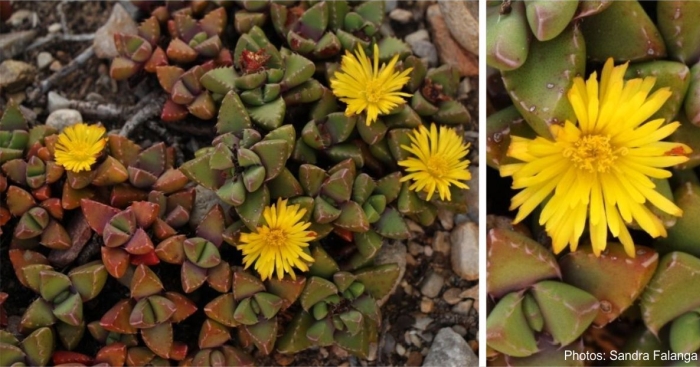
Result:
pixel 55 28
pixel 415 340
pixel 422 322
pixel 60 119
pixel 428 337
pixel 452 296
pixel 427 305
pixel 390 5
pixel 43 59
pixel 95 97
pixel 447 217
pixel 18 97
pixel 463 307
pixel 459 329
pixel 56 102
pixel 55 66
pixel 414 359
pixel 389 343
pixel 344 364
pixel 414 227
pixel 410 260
pixel 339 352
pixel 432 285
pixel 425 49
pixel 400 350
pixel 419 35
pixel 465 250
pixel 415 248
pixel 441 242
pixel 15 75
pixel 402 16
pixel 21 16
pixel 474 344
pixel 464 88
pixel 428 251
pixel 324 352
pixel 372 353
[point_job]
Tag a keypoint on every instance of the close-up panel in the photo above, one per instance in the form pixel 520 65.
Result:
pixel 593 144
pixel 239 183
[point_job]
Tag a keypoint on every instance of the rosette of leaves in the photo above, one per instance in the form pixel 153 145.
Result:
pixel 14 135
pixel 353 206
pixel 252 309
pixel 186 93
pixel 139 51
pixel 110 355
pixel 544 300
pixel 152 177
pixel 338 307
pixel 151 313
pixel 34 350
pixel 192 39
pixel 246 170
pixel 265 81
pixel 61 298
pixel 324 29
pixel 124 234
pixel 199 256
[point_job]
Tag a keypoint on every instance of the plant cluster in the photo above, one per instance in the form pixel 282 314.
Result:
pixel 309 187
pixel 602 165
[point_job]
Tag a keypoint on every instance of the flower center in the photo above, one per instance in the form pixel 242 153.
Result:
pixel 276 237
pixel 80 151
pixel 593 153
pixel 437 166
pixel 373 91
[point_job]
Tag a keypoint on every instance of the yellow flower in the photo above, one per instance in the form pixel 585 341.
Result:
pixel 438 161
pixel 78 146
pixel 366 87
pixel 278 244
pixel 599 167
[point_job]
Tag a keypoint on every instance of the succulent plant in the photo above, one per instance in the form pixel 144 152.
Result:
pixel 281 135
pixel 139 51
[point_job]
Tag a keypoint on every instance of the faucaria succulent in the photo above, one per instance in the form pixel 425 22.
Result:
pixel 293 164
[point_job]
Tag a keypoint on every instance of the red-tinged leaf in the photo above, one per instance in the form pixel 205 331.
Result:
pixel 139 244
pixel 219 277
pixel 123 68
pixel 180 52
pixel 213 334
pixel 123 149
pixel 97 214
pixel 123 195
pixel 113 354
pixel 158 58
pixel 181 94
pixel 343 233
pixel 212 226
pixel 145 212
pixel 184 307
pixel 171 181
pixel 171 250
pixel 55 237
pixel 117 318
pixel 203 107
pixel 42 193
pixel 21 258
pixel 173 112
pixel 221 308
pixel 71 197
pixel 178 352
pixel 224 59
pixel 53 206
pixel 149 30
pixel 167 76
pixel 162 230
pixel 19 201
pixel 68 357
pixel 192 276
pixel 145 283
pixel 214 22
pixel 159 339
pixel 116 261
pixel 148 259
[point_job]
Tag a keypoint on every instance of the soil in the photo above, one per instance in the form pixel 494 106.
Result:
pixel 91 82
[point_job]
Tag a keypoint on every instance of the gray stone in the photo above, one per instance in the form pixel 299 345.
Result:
pixel 462 19
pixel 449 349
pixel 57 102
pixel 415 248
pixel 119 21
pixel 419 35
pixel 392 253
pixel 452 296
pixel 447 218
pixel 55 28
pixel 441 242
pixel 61 119
pixel 464 88
pixel 425 49
pixel 465 250
pixel 204 201
pixel 43 59
pixel 422 322
pixel 472 195
pixel 22 16
pixel 432 285
pixel 390 5
pixel 402 16
pixel 13 44
pixel 15 75
pixel 463 307
pixel 459 329
pixel 400 349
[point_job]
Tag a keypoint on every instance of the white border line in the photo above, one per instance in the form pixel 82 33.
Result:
pixel 482 183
